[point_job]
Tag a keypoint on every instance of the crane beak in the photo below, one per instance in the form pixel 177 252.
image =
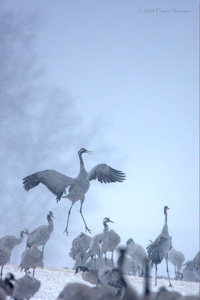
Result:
pixel 88 151
pixel 111 221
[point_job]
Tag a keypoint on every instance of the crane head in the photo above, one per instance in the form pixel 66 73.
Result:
pixel 10 280
pixel 165 209
pixel 107 220
pixel 51 214
pixel 25 230
pixel 81 268
pixel 83 150
pixel 130 241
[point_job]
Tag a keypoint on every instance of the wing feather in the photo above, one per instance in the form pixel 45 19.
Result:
pixel 53 180
pixel 106 174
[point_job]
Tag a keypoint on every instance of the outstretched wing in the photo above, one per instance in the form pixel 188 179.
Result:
pixel 53 180
pixel 105 174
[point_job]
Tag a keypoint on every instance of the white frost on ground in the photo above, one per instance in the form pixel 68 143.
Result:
pixel 53 280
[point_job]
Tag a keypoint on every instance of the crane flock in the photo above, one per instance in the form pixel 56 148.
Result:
pixel 90 252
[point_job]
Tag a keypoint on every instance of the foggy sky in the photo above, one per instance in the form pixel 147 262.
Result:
pixel 131 70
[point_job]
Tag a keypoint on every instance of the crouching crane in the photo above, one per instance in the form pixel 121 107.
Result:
pixel 57 183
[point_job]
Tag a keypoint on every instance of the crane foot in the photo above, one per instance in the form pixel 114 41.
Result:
pixel 87 229
pixel 57 200
pixel 65 231
pixel 170 285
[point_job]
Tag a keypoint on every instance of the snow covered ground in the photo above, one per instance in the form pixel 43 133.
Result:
pixel 53 280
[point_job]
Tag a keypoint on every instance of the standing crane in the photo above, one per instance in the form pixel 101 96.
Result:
pixel 31 258
pixel 94 242
pixel 177 258
pixel 159 249
pixel 111 243
pixel 138 254
pixel 79 247
pixel 57 183
pixel 41 234
pixel 10 241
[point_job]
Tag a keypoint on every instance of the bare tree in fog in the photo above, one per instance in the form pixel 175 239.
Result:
pixel 39 124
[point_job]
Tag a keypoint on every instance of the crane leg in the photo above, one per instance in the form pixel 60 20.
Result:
pixel 112 259
pixel 69 212
pixel 86 228
pixel 42 249
pixel 166 259
pixel 156 269
pixel 95 261
pixel 105 257
pixel 1 271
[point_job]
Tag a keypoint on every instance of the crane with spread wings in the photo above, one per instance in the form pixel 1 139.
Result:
pixel 77 187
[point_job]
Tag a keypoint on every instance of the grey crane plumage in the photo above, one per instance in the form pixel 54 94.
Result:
pixel 110 277
pixel 159 249
pixel 31 258
pixel 26 287
pixel 94 263
pixel 2 294
pixel 102 292
pixel 191 271
pixel 80 259
pixel 5 254
pixel 80 244
pixel 129 267
pixel 177 258
pixel 164 294
pixel 57 183
pixel 189 297
pixel 41 234
pixel 111 243
pixel 103 236
pixel 138 254
pixel 74 291
pixel 10 241
pixel 129 292
pixel 79 291
pixel 6 286
pixel 90 276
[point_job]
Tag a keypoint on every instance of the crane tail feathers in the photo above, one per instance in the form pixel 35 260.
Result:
pixel 154 255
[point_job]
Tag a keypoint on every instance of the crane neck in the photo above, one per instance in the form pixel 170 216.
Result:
pixel 106 230
pixel 105 225
pixel 166 217
pixel 50 221
pixel 81 159
pixel 22 235
pixel 100 258
pixel 165 227
pixel 82 167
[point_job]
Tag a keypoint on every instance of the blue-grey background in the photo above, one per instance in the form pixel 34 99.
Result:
pixel 119 78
